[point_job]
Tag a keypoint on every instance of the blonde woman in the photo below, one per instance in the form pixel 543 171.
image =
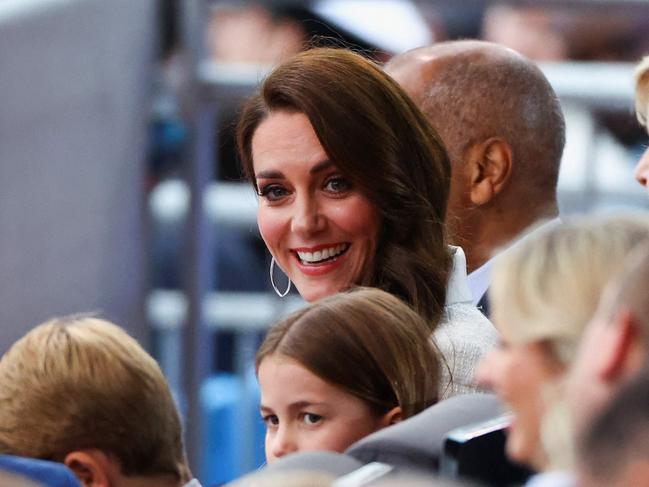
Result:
pixel 544 292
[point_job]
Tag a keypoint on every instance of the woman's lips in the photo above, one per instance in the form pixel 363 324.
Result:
pixel 321 254
pixel 316 261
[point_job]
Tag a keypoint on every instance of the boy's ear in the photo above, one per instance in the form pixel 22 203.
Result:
pixel 90 466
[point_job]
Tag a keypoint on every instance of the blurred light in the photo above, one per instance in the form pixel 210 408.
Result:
pixel 11 9
pixel 391 25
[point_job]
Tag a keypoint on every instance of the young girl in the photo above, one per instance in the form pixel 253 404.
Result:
pixel 342 368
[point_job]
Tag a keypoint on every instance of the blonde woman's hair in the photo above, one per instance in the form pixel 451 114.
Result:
pixel 557 429
pixel 642 90
pixel 547 287
pixel 80 382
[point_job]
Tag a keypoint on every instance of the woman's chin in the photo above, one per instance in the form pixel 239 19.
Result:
pixel 516 447
pixel 314 291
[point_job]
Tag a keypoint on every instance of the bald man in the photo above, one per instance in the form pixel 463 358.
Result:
pixel 504 131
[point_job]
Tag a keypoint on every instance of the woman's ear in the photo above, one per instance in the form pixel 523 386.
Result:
pixel 393 416
pixel 90 467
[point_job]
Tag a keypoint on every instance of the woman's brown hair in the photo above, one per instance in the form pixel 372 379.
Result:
pixel 367 342
pixel 376 135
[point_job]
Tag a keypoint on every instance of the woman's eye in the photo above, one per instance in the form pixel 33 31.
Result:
pixel 272 192
pixel 310 418
pixel 270 420
pixel 337 184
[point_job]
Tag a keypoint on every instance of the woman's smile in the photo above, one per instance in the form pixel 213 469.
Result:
pixel 320 260
pixel 321 254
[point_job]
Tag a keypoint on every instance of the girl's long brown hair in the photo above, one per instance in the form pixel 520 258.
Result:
pixel 367 342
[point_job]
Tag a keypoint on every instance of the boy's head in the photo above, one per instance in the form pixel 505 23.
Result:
pixel 81 391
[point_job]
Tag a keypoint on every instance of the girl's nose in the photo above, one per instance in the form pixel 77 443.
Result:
pixel 283 443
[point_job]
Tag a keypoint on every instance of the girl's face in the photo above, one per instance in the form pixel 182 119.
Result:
pixel 303 412
pixel 321 230
pixel 519 374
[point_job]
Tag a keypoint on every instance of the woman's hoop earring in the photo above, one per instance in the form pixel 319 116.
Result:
pixel 272 280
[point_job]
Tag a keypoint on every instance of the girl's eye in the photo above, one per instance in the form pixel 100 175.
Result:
pixel 272 192
pixel 310 418
pixel 337 184
pixel 270 420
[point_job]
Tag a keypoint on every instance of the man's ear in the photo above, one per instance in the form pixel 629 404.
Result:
pixel 618 355
pixel 393 416
pixel 490 167
pixel 90 466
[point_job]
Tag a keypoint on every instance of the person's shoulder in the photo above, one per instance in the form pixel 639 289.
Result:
pixel 43 472
pixel 463 338
pixel 464 320
pixel 552 479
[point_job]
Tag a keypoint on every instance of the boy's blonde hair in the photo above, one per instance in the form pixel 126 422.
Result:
pixel 79 383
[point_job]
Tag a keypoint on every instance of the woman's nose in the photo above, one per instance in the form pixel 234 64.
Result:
pixel 307 218
pixel 641 172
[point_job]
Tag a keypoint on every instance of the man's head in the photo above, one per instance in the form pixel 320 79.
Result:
pixel 80 391
pixel 504 131
pixel 616 342
pixel 615 448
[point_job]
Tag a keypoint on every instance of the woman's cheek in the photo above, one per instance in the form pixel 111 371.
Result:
pixel 273 228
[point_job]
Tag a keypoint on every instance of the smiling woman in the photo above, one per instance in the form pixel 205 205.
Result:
pixel 544 292
pixel 352 180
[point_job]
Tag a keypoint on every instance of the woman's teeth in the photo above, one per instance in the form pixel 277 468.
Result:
pixel 322 255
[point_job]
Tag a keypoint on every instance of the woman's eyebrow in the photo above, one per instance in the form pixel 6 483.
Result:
pixel 321 166
pixel 275 174
pixel 269 174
